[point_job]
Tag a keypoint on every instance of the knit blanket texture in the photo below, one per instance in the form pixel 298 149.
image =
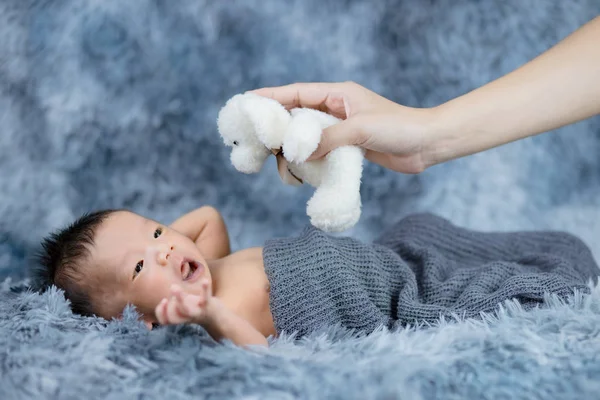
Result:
pixel 421 269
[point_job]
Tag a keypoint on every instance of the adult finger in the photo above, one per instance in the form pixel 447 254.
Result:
pixel 347 132
pixel 310 95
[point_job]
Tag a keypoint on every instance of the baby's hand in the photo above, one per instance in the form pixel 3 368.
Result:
pixel 183 307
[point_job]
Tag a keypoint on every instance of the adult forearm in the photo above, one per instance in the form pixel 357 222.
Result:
pixel 560 87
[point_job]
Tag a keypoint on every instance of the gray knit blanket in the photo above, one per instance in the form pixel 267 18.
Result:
pixel 422 269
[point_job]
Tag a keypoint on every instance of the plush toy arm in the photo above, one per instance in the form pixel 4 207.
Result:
pixel 304 133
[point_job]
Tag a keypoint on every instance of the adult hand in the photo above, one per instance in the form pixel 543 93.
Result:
pixel 559 87
pixel 394 136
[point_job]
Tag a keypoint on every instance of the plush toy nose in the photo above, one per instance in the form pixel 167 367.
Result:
pixel 249 160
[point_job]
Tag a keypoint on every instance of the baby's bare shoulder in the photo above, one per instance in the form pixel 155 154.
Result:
pixel 248 257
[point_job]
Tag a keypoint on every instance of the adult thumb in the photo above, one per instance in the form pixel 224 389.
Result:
pixel 343 133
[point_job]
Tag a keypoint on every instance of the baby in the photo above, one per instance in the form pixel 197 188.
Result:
pixel 173 274
pixel 422 268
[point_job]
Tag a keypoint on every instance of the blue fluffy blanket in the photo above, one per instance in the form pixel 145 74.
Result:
pixel 113 104
pixel 548 353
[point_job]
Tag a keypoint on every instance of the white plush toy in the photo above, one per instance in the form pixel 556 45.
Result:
pixel 257 127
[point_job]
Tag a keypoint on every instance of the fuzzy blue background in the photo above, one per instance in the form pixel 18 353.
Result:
pixel 111 103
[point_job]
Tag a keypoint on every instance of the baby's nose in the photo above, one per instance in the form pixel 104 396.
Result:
pixel 163 254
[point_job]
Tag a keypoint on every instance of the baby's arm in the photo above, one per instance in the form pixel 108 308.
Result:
pixel 206 227
pixel 211 313
pixel 225 324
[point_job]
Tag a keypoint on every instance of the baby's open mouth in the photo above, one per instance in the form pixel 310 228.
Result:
pixel 189 269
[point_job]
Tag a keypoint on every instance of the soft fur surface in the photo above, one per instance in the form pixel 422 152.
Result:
pixel 107 103
pixel 549 353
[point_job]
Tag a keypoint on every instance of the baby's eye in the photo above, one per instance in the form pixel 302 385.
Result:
pixel 157 232
pixel 138 268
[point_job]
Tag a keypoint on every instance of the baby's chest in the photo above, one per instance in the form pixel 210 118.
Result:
pixel 254 288
pixel 252 292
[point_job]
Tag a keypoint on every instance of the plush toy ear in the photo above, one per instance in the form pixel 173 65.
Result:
pixel 269 117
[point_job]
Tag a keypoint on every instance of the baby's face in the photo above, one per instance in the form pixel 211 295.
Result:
pixel 139 259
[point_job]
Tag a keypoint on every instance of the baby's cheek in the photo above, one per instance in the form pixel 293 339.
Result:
pixel 147 305
pixel 156 290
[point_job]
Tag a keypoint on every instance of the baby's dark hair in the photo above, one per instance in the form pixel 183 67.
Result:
pixel 63 257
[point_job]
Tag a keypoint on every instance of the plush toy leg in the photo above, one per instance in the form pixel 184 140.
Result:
pixel 336 204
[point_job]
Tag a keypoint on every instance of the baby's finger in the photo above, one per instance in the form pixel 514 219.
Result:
pixel 178 295
pixel 178 298
pixel 173 314
pixel 175 289
pixel 195 305
pixel 207 289
pixel 159 312
pixel 182 305
pixel 200 299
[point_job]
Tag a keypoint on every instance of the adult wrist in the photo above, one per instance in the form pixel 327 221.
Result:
pixel 440 139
